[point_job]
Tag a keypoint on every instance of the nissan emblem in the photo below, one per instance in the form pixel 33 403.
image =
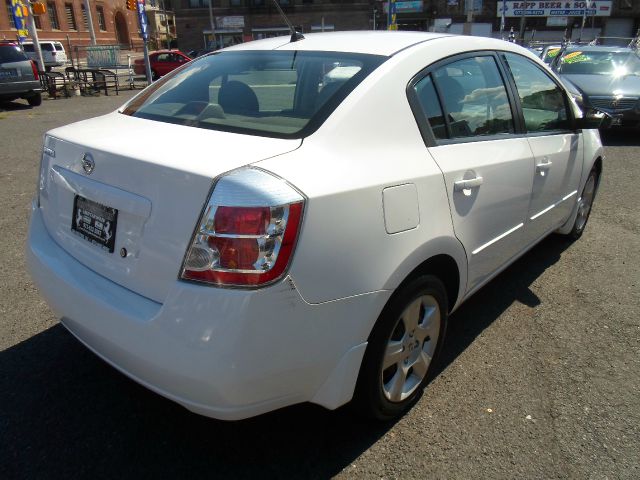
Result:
pixel 88 164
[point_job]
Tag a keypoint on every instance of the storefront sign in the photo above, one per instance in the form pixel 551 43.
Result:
pixel 232 22
pixel 557 8
pixel 406 7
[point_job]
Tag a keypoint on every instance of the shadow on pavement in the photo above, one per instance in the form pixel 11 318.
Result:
pixel 14 105
pixel 66 414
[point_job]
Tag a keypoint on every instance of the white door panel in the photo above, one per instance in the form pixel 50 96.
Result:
pixel 558 166
pixel 488 217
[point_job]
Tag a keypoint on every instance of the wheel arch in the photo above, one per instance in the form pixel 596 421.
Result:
pixel 443 257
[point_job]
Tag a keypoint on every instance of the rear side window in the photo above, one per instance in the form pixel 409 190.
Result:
pixel 426 94
pixel 473 97
pixel 543 103
pixel 59 47
pixel 11 53
pixel 285 94
pixel 46 47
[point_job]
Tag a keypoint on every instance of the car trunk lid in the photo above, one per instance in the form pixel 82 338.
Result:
pixel 156 175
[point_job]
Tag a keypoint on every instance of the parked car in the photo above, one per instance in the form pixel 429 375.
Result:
pixel 53 53
pixel 200 52
pixel 309 235
pixel 18 76
pixel 162 62
pixel 606 79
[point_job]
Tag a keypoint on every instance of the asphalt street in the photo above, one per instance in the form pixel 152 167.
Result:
pixel 540 376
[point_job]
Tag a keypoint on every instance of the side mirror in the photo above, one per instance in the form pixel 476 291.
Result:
pixel 594 119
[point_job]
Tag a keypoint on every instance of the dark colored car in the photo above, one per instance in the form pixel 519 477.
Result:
pixel 200 52
pixel 605 79
pixel 162 62
pixel 18 76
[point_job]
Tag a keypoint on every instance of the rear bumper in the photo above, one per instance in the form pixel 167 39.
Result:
pixel 228 354
pixel 18 89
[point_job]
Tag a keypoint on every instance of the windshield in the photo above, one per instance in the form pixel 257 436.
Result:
pixel 286 94
pixel 600 63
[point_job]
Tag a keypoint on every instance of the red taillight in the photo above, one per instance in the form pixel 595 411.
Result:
pixel 242 221
pixel 245 245
pixel 34 67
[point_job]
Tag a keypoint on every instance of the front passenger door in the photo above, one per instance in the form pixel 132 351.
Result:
pixel 557 149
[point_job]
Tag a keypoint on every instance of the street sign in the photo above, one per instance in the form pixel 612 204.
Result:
pixel 142 19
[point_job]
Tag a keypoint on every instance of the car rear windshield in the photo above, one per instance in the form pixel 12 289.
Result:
pixel 11 53
pixel 286 94
pixel 600 63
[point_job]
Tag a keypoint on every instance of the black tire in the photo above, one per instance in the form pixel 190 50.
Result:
pixel 35 100
pixel 585 205
pixel 376 385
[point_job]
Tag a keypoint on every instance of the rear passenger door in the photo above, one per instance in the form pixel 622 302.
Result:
pixel 466 115
pixel 556 147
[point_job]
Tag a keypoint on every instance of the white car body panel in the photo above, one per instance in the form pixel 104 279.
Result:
pixel 234 353
pixel 125 150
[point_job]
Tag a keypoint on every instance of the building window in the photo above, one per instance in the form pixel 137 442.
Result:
pixel 236 3
pixel 85 18
pixel 71 17
pixel 12 21
pixel 37 22
pixel 53 15
pixel 101 21
pixel 198 3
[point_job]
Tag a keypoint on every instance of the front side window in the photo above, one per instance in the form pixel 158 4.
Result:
pixel 286 94
pixel 474 98
pixel 543 102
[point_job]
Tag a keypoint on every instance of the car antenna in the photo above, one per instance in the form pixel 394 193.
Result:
pixel 295 36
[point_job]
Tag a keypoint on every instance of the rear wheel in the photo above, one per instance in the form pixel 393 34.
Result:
pixel 402 347
pixel 585 204
pixel 35 100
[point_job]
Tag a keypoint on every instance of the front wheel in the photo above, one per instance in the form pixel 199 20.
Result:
pixel 402 347
pixel 585 204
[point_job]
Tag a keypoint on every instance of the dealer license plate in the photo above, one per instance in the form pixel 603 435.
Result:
pixel 8 73
pixel 95 222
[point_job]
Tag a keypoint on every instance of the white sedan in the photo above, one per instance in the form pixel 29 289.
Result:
pixel 285 222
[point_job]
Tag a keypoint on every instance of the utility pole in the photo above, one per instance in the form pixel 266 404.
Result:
pixel 92 33
pixel 166 24
pixel 33 31
pixel 213 26
pixel 466 29
pixel 523 20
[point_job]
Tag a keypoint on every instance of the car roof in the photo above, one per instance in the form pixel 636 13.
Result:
pixel 366 41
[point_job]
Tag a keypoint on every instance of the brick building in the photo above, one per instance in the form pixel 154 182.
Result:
pixel 113 23
pixel 243 20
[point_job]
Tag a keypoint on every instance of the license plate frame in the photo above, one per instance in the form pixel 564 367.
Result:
pixel 95 222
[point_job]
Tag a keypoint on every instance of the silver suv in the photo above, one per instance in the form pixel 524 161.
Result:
pixel 18 76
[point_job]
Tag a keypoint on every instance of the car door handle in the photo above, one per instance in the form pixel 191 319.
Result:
pixel 544 165
pixel 467 184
